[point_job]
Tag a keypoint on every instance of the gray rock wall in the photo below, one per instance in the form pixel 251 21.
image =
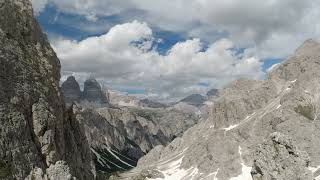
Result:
pixel 35 131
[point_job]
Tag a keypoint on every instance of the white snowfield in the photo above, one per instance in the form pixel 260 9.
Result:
pixel 313 170
pixel 171 169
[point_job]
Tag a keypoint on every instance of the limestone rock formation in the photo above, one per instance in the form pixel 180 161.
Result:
pixel 71 90
pixel 243 115
pixel 279 158
pixel 93 92
pixel 35 131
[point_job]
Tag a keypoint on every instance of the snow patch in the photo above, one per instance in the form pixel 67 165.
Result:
pixel 236 125
pixel 278 106
pixel 313 170
pixel 246 170
pixel 113 154
pixel 211 175
pixel 293 81
pixel 99 158
pixel 209 103
pixel 171 170
pixel 231 127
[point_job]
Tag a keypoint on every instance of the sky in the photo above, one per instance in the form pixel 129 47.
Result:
pixel 168 49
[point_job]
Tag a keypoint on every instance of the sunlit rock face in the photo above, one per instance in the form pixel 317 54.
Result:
pixel 237 138
pixel 276 152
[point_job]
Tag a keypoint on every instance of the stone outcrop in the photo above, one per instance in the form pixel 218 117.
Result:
pixel 93 92
pixel 244 115
pixel 71 90
pixel 35 133
pixel 279 158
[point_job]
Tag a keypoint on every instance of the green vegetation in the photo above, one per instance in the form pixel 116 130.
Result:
pixel 306 111
pixel 5 170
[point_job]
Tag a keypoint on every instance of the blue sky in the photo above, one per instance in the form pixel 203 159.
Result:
pixel 169 49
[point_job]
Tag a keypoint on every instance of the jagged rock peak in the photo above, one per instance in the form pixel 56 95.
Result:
pixel 93 92
pixel 71 90
pixel 305 60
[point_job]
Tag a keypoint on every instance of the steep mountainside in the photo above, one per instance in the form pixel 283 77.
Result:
pixel 119 137
pixel 236 136
pixel 37 137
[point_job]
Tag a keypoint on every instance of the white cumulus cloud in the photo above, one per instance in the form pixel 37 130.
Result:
pixel 124 57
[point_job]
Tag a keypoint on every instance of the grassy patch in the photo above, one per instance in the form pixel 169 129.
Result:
pixel 306 111
pixel 5 170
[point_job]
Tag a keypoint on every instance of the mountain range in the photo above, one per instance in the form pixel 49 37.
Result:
pixel 250 129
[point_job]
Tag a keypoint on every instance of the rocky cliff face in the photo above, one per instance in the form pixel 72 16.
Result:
pixel 71 90
pixel 244 115
pixel 37 137
pixel 92 95
pixel 279 158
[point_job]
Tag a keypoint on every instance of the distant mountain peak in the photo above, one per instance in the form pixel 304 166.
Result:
pixel 194 99
pixel 309 47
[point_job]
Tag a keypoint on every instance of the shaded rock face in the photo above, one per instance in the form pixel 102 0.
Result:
pixel 279 158
pixel 194 99
pixel 119 137
pixel 172 122
pixel 92 92
pixel 212 92
pixel 71 90
pixel 244 115
pixel 35 131
pixel 151 104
